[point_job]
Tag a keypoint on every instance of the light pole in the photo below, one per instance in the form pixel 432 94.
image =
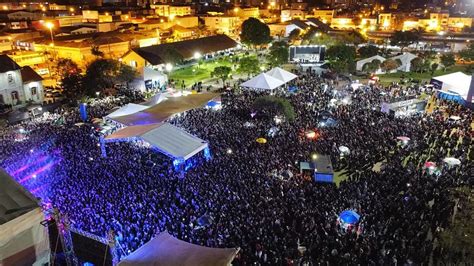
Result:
pixel 50 26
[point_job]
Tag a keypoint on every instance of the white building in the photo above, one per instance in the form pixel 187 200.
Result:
pixel 19 85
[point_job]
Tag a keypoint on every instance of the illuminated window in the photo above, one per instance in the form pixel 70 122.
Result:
pixel 34 91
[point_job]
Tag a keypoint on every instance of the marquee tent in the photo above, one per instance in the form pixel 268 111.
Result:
pixel 281 74
pixel 23 240
pixel 128 109
pixel 263 82
pixel 455 83
pixel 166 250
pixel 168 139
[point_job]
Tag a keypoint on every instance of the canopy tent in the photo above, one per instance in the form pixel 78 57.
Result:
pixel 405 60
pixel 344 150
pixel 165 109
pixel 263 82
pixel 349 217
pixel 168 139
pixel 128 109
pixel 455 83
pixel 281 74
pixel 166 250
pixel 452 161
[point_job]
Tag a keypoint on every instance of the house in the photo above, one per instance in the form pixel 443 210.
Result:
pixel 182 33
pixel 360 64
pixel 223 24
pixel 19 85
pixel 289 14
pixel 405 60
pixel 324 15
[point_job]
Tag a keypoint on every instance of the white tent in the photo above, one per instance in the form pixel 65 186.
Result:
pixel 168 139
pixel 128 109
pixel 405 58
pixel 263 82
pixel 456 82
pixel 281 74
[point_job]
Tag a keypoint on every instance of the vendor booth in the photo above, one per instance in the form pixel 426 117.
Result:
pixel 320 168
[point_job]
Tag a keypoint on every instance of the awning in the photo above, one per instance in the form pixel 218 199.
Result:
pixel 128 109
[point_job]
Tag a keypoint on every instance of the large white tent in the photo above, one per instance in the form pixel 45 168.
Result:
pixel 263 82
pixel 281 74
pixel 128 109
pixel 166 250
pixel 457 83
pixel 168 139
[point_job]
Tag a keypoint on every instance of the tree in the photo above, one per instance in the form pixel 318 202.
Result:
pixel 72 85
pixel 103 74
pixel 468 53
pixel 278 56
pixel 447 60
pixel 272 105
pixel 249 65
pixel 65 66
pixel 404 39
pixel 294 34
pixel 368 51
pixel 420 65
pixel 323 39
pixel 389 65
pixel 96 51
pixel 255 32
pixel 341 57
pixel 221 72
pixel 354 37
pixel 372 66
pixel 433 68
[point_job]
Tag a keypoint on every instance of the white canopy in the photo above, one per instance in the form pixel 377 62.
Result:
pixel 360 64
pixel 281 74
pixel 405 59
pixel 452 161
pixel 167 138
pixel 128 109
pixel 263 82
pixel 456 82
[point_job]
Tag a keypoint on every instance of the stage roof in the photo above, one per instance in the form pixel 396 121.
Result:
pixel 167 138
pixel 164 110
pixel 14 198
pixel 166 250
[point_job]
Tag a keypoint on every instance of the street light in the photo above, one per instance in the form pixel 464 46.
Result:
pixel 168 67
pixel 197 55
pixel 50 26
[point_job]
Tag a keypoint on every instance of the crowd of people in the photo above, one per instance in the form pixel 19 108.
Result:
pixel 137 193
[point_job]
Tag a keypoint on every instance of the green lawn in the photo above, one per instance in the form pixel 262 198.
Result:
pixel 196 73
pixel 386 79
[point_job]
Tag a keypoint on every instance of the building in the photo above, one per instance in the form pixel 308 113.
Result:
pixel 19 85
pixel 172 11
pixel 245 13
pixel 385 21
pixel 289 14
pixel 459 24
pixel 324 15
pixel 343 24
pixel 223 24
pixel 151 62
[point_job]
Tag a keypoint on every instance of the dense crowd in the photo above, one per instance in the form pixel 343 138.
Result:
pixel 275 221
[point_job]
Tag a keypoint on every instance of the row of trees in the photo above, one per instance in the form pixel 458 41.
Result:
pixel 100 75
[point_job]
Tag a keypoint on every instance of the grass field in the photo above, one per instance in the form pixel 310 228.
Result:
pixel 386 79
pixel 196 73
